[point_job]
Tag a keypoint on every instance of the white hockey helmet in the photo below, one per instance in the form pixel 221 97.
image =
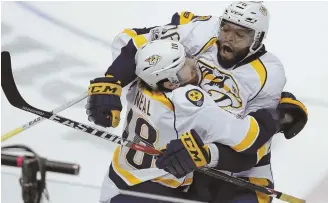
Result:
pixel 251 15
pixel 159 60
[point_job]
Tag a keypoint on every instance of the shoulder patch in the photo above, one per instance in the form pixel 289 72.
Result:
pixel 195 96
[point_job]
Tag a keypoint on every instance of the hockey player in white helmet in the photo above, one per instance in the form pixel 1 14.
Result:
pixel 164 107
pixel 235 70
pixel 244 26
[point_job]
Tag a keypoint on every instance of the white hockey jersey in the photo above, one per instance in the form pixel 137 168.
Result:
pixel 245 88
pixel 156 118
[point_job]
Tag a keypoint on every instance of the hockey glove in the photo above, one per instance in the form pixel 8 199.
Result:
pixel 184 155
pixel 104 103
pixel 293 115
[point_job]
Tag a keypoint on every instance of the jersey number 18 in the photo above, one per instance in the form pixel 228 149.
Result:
pixel 144 133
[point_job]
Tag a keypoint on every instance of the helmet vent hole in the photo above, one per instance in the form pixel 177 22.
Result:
pixel 175 60
pixel 253 13
pixel 240 7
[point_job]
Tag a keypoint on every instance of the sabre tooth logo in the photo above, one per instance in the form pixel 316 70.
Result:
pixel 221 86
pixel 33 111
pixel 264 11
pixel 153 60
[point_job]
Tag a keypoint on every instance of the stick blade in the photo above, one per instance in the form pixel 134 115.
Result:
pixel 8 83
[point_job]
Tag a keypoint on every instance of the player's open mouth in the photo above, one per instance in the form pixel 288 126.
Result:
pixel 227 49
pixel 226 52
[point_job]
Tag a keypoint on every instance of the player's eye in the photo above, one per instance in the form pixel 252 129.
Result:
pixel 239 34
pixel 225 28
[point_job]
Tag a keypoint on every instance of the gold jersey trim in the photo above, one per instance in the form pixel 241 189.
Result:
pixel 208 44
pixel 130 32
pixel 172 182
pixel 260 69
pixel 133 180
pixel 261 198
pixel 160 97
pixel 297 103
pixel 250 137
pixel 261 152
pixel 139 40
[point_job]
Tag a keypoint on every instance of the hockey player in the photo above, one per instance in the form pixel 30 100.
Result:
pixel 236 71
pixel 202 38
pixel 162 105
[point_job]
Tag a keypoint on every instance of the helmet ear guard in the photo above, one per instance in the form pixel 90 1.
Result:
pixel 257 43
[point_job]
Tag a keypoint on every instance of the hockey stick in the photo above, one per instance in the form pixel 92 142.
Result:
pixel 13 96
pixel 9 87
pixel 243 183
pixel 40 118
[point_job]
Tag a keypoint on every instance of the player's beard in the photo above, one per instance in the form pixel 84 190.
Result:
pixel 236 56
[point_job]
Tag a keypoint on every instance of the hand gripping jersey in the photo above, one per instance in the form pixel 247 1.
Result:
pixel 253 84
pixel 156 118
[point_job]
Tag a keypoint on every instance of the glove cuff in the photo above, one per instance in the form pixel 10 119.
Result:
pixel 111 78
pixel 106 79
pixel 213 154
pixel 294 102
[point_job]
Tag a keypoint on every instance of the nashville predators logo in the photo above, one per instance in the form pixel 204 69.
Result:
pixel 153 60
pixel 196 97
pixel 221 86
pixel 264 11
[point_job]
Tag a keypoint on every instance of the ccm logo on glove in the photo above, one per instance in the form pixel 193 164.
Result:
pixel 193 149
pixel 105 88
pixel 184 155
